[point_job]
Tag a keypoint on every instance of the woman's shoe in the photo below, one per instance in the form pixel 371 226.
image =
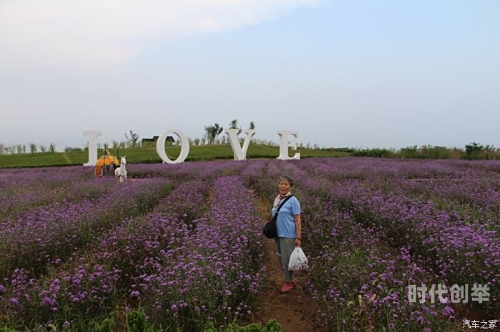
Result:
pixel 288 286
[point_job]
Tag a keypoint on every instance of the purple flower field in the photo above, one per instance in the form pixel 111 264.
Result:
pixel 183 243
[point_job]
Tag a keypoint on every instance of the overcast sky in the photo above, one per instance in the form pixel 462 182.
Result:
pixel 342 73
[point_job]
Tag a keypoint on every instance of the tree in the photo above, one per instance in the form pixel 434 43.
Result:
pixel 234 125
pixel 473 148
pixel 33 147
pixel 252 127
pixel 212 132
pixel 133 139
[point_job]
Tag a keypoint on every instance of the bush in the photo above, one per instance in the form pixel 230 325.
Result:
pixel 378 153
pixel 6 329
pixel 136 321
pixel 72 149
pixel 106 325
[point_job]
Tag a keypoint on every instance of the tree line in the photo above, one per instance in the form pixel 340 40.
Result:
pixel 132 140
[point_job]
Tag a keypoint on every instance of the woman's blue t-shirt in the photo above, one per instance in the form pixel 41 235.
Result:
pixel 286 222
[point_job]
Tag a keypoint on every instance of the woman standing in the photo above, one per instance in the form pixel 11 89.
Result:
pixel 289 229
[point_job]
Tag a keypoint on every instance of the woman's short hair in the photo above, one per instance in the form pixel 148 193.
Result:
pixel 287 178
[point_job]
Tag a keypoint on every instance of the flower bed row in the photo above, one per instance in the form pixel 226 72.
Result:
pixel 462 189
pixel 51 235
pixel 214 276
pixel 24 190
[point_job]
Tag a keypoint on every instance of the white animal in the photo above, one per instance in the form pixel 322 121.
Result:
pixel 121 172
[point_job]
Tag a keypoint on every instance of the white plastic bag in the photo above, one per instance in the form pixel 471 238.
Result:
pixel 298 260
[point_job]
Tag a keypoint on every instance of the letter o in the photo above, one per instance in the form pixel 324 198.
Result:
pixel 160 147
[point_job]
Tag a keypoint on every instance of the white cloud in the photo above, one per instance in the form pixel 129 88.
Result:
pixel 92 34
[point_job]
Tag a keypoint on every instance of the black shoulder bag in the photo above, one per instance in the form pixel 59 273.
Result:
pixel 269 229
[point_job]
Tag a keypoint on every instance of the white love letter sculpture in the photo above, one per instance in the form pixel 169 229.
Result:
pixel 284 144
pixel 92 135
pixel 160 147
pixel 239 152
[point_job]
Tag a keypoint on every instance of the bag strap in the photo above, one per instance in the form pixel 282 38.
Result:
pixel 286 199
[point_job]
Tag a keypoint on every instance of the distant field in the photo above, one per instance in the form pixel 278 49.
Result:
pixel 149 155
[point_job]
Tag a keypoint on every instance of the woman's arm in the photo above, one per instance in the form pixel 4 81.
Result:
pixel 298 230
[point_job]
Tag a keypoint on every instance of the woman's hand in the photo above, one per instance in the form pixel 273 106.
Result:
pixel 298 242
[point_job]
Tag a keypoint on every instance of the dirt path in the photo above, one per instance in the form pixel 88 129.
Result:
pixel 295 310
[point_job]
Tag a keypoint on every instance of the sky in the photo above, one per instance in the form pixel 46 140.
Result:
pixel 341 73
